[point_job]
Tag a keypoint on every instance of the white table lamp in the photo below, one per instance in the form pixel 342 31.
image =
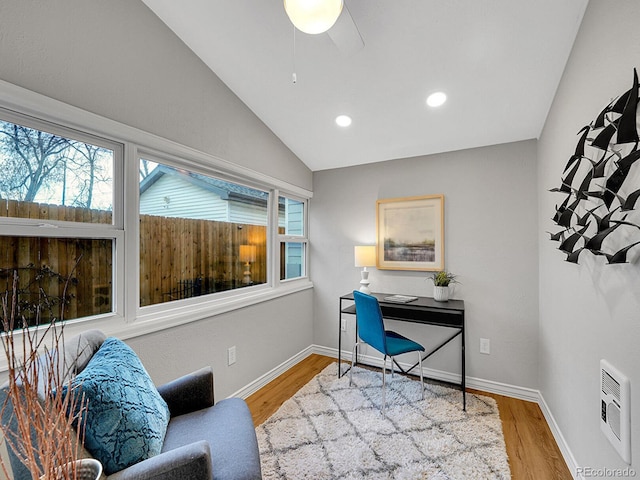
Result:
pixel 365 256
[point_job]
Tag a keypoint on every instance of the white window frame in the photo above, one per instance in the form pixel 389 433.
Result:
pixel 301 239
pixel 128 320
pixel 28 227
pixel 152 311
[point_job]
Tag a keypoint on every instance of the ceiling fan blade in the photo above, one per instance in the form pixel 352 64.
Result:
pixel 345 34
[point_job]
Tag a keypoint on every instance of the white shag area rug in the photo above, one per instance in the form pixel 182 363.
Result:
pixel 330 430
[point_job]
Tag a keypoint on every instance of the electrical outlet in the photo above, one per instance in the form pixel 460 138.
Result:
pixel 343 325
pixel 231 355
pixel 485 346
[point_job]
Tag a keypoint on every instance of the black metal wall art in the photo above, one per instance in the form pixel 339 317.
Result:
pixel 601 186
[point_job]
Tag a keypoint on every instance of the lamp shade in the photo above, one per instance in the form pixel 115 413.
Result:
pixel 313 16
pixel 248 253
pixel 365 256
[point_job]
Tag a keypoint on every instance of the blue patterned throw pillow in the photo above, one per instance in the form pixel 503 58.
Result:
pixel 126 418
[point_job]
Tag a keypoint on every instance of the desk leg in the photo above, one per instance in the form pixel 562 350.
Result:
pixel 340 338
pixel 464 373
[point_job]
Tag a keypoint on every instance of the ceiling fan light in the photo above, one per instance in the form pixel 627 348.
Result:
pixel 313 16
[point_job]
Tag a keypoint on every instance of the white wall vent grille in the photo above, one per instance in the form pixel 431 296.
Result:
pixel 614 409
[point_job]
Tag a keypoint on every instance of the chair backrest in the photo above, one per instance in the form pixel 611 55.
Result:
pixel 370 322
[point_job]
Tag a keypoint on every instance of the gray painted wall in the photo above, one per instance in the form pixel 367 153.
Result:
pixel 117 59
pixel 490 242
pixel 589 311
pixel 265 335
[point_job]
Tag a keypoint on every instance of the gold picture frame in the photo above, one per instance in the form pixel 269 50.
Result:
pixel 410 233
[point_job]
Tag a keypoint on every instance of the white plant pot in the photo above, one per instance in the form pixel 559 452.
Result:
pixel 441 294
pixel 86 469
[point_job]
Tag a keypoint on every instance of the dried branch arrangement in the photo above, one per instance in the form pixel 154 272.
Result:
pixel 40 433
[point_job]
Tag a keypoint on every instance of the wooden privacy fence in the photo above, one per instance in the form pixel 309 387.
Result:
pixel 45 211
pixel 178 258
pixel 44 263
pixel 177 251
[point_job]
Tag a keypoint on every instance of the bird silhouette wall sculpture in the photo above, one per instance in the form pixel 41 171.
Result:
pixel 600 185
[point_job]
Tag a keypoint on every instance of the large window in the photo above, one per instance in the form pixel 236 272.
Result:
pixel 57 228
pixel 198 234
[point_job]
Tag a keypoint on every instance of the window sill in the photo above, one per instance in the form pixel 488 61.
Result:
pixel 169 318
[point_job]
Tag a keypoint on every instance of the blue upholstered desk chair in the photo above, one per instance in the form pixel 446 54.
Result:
pixel 371 331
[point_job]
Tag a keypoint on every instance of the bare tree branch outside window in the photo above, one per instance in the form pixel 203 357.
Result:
pixel 38 166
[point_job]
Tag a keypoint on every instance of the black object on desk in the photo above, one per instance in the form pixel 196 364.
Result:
pixel 421 310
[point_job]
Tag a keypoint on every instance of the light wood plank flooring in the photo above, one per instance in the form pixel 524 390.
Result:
pixel 533 452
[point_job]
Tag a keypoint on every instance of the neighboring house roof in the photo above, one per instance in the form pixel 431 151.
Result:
pixel 226 190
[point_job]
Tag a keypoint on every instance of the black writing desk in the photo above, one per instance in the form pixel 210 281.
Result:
pixel 422 310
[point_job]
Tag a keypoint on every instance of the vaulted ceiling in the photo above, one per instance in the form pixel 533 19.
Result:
pixel 498 61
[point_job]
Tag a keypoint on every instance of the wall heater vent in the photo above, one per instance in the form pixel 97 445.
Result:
pixel 614 409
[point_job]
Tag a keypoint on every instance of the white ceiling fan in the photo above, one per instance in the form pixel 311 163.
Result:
pixel 345 34
pixel 331 16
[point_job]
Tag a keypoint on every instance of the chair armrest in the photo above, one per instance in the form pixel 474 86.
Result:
pixel 189 393
pixel 191 462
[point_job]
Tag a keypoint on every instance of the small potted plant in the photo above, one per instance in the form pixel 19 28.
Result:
pixel 441 281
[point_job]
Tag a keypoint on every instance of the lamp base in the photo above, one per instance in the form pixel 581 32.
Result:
pixel 364 283
pixel 246 280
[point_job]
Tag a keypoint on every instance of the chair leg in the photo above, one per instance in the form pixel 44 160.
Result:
pixel 353 358
pixel 421 375
pixel 384 369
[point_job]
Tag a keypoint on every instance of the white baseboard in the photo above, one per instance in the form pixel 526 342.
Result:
pixel 326 351
pixel 272 374
pixel 498 388
pixel 513 391
pixel 521 393
pixel 569 459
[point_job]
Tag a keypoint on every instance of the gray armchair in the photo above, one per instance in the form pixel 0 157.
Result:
pixel 204 440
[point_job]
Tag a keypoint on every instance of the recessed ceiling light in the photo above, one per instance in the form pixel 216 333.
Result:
pixel 343 120
pixel 436 99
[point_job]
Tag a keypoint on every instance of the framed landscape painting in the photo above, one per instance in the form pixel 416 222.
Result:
pixel 410 233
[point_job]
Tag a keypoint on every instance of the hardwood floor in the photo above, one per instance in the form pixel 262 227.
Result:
pixel 532 450
pixel 269 398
